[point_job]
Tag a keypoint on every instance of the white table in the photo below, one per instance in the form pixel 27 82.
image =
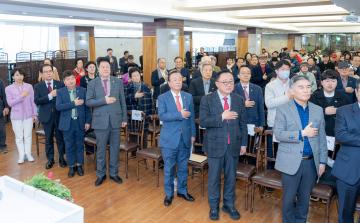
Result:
pixel 21 203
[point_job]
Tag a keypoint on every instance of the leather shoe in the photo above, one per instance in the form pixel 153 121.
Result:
pixel 80 170
pixel 186 197
pixel 100 180
pixel 234 214
pixel 62 162
pixel 49 164
pixel 72 170
pixel 214 214
pixel 116 179
pixel 168 201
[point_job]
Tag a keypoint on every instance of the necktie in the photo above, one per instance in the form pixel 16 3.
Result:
pixel 247 97
pixel 49 87
pixel 105 87
pixel 227 107
pixel 178 105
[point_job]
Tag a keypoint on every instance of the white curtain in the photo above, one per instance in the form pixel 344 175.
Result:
pixel 16 38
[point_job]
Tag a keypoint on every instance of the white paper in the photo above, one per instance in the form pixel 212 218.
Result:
pixel 251 129
pixel 330 162
pixel 330 141
pixel 136 115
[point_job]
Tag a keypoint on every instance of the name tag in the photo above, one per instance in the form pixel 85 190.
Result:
pixel 330 141
pixel 251 129
pixel 136 115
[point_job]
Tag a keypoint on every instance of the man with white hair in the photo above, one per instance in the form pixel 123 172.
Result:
pixel 197 73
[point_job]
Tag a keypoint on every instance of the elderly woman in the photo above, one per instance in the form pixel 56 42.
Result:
pixel 79 70
pixel 20 97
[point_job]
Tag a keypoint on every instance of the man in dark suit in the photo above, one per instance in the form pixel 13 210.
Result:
pixel 254 98
pixel 176 111
pixel 105 95
pixel 347 165
pixel 4 111
pixel 202 86
pixel 123 62
pixel 158 77
pixel 45 97
pixel 179 66
pixel 345 82
pixel 113 62
pixel 326 64
pixel 222 113
pixel 260 74
pixel 75 119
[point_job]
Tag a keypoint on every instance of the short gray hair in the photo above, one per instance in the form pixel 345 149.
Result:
pixel 297 78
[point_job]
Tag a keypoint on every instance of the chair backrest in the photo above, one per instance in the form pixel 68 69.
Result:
pixel 200 134
pixel 254 145
pixel 135 128
pixel 266 158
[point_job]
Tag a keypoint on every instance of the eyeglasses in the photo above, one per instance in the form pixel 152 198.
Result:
pixel 226 82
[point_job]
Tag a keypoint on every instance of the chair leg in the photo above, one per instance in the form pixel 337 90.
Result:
pixel 137 170
pixel 252 198
pixel 246 195
pixel 37 145
pixel 202 182
pixel 157 172
pixel 328 205
pixel 126 164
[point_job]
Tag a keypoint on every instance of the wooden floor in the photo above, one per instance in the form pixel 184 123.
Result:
pixel 141 201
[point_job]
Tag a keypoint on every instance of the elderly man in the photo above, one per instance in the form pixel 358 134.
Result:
pixel 302 153
pixel 345 82
pixel 158 77
pixel 223 115
pixel 304 70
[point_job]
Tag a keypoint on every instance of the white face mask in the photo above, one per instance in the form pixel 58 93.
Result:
pixel 284 74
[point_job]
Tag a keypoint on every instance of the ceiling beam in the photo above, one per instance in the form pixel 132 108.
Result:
pixel 336 18
pixel 299 14
pixel 246 4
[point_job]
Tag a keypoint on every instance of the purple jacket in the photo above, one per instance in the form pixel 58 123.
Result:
pixel 21 107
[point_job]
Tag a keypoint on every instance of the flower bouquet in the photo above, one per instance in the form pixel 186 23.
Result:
pixel 47 184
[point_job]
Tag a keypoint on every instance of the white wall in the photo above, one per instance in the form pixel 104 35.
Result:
pixel 119 45
pixel 272 42
pixel 167 41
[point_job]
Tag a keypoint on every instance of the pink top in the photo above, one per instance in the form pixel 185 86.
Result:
pixel 21 107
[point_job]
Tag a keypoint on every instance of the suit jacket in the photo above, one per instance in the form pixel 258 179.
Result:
pixel 351 83
pixel 64 105
pixel 339 99
pixel 106 114
pixel 287 129
pixel 216 134
pixel 143 104
pixel 156 82
pixel 257 74
pixel 174 125
pixel 256 114
pixel 197 74
pixel 347 132
pixel 47 107
pixel 196 89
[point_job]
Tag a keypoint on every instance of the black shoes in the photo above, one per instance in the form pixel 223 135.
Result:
pixel 234 214
pixel 214 214
pixel 72 171
pixel 116 179
pixel 80 170
pixel 168 201
pixel 62 162
pixel 49 164
pixel 186 197
pixel 100 180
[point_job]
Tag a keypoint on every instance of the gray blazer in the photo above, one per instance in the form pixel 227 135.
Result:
pixel 103 113
pixel 286 131
pixel 215 138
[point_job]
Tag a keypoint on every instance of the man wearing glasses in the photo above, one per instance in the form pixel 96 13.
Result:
pixel 222 113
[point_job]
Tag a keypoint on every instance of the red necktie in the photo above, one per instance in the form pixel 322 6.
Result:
pixel 105 87
pixel 49 87
pixel 178 105
pixel 247 97
pixel 227 107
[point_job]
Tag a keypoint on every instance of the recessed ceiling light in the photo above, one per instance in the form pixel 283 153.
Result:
pixel 106 19
pixel 24 13
pixel 70 16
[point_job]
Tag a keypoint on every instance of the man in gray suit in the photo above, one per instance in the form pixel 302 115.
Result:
pixel 222 113
pixel 302 153
pixel 105 95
